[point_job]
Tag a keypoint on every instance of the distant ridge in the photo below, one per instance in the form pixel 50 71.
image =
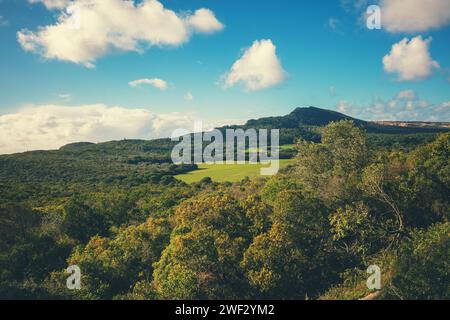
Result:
pixel 316 117
pixel 302 122
pixel 309 116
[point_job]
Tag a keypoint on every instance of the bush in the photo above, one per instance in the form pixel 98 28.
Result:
pixel 423 264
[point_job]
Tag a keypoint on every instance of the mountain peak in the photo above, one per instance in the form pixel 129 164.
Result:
pixel 311 116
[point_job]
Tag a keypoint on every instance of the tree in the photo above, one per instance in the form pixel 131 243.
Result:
pixel 27 253
pixel 354 231
pixel 373 182
pixel 82 222
pixel 111 267
pixel 206 247
pixel 291 261
pixel 428 178
pixel 332 168
pixel 422 265
pixel 347 145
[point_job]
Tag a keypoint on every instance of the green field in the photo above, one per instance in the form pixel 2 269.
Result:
pixel 226 172
pixel 283 147
pixel 287 147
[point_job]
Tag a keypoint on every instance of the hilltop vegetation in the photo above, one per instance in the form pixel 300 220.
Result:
pixel 347 200
pixel 34 177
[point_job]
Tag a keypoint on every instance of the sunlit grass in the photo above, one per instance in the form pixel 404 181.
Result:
pixel 227 172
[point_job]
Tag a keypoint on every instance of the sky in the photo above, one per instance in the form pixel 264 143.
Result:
pixel 99 70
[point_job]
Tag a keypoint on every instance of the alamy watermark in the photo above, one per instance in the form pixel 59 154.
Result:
pixel 374 280
pixel 373 17
pixel 232 146
pixel 74 280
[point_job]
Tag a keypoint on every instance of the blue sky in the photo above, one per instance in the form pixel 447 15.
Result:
pixel 329 58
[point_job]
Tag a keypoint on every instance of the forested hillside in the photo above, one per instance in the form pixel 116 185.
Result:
pixel 354 195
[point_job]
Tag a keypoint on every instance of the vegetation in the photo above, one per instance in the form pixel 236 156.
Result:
pixel 119 212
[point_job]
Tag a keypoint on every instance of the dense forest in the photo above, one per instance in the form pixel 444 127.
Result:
pixel 357 194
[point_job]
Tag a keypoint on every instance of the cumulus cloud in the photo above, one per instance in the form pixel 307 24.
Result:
pixel 404 106
pixel 410 59
pixel 414 15
pixel 52 4
pixel 258 68
pixel 52 126
pixel 204 21
pixel 155 82
pixel 88 29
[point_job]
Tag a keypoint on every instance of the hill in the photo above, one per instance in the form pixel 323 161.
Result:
pixel 306 123
pixel 310 116
pixel 316 117
pixel 139 161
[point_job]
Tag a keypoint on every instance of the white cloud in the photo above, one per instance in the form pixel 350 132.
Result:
pixel 409 105
pixel 445 106
pixel 258 68
pixel 414 15
pixel 342 106
pixel 88 29
pixel 155 82
pixel 52 126
pixel 52 4
pixel 205 21
pixel 410 59
pixel 188 96
pixel 406 95
pixel 404 106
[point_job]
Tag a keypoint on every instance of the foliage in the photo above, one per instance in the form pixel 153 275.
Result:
pixel 422 265
pixel 202 259
pixel 346 201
